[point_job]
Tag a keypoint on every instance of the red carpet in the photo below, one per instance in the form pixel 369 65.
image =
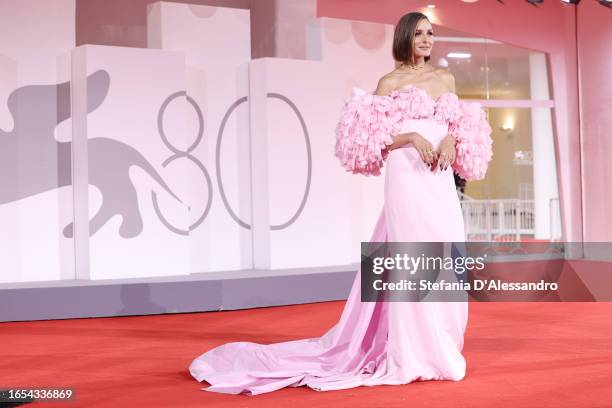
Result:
pixel 518 354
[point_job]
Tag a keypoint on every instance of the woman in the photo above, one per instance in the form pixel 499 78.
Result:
pixel 414 125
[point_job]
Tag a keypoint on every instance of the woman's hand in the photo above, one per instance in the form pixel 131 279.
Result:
pixel 423 146
pixel 446 152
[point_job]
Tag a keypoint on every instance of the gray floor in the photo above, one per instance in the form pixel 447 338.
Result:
pixel 193 293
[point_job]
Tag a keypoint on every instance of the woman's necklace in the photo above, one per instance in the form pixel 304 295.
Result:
pixel 414 67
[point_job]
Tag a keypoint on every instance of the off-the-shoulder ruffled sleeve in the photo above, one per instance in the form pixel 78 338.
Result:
pixel 473 143
pixel 363 132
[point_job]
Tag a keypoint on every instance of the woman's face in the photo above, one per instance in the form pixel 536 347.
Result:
pixel 423 39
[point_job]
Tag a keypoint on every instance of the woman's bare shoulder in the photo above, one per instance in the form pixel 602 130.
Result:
pixel 387 83
pixel 447 77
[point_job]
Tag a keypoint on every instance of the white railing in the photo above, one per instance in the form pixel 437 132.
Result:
pixel 498 220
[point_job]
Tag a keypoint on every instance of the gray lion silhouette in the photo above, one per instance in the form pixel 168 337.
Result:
pixel 32 161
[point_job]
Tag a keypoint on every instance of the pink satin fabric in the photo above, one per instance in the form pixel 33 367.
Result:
pixel 372 343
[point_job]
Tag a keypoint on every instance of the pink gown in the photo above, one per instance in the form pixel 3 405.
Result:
pixel 379 342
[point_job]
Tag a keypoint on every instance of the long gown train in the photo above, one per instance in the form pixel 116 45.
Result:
pixel 372 343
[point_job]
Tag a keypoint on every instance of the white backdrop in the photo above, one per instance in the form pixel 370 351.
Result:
pixel 303 208
pixel 34 203
pixel 216 41
pixel 360 53
pixel 245 145
pixel 125 153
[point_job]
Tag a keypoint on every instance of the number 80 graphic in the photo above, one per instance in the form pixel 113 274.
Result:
pixel 179 154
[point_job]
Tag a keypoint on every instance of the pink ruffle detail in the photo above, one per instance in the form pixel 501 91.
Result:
pixel 473 143
pixel 368 122
pixel 364 131
pixel 448 108
pixel 413 103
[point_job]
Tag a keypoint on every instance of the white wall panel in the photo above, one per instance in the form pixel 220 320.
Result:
pixel 216 43
pixel 300 193
pixel 360 53
pixel 35 190
pixel 125 147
